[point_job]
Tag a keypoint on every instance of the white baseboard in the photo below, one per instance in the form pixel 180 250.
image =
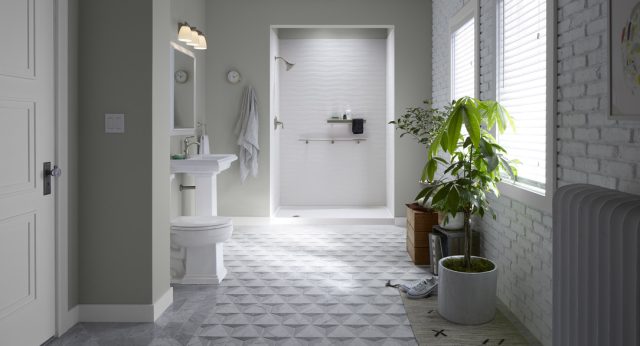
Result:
pixel 162 303
pixel 68 320
pixel 401 221
pixel 125 312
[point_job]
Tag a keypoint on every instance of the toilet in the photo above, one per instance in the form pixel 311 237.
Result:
pixel 196 249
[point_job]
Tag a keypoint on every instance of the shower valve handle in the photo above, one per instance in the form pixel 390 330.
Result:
pixel 277 122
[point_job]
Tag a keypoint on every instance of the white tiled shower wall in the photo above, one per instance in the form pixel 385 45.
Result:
pixel 591 148
pixel 329 75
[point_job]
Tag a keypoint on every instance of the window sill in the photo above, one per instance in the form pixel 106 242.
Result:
pixel 527 197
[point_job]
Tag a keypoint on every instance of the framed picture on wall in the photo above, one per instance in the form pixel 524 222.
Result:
pixel 624 59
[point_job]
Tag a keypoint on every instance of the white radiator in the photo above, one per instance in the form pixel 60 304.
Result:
pixel 596 267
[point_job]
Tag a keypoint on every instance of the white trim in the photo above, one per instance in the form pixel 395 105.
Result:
pixel 400 221
pixel 530 198
pixel 162 303
pixel 126 313
pixel 65 318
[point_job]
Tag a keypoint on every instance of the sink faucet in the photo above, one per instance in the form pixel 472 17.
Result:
pixel 188 143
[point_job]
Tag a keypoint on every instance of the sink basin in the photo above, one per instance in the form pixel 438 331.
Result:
pixel 203 164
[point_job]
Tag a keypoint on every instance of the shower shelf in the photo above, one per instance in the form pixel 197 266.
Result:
pixel 341 121
pixel 332 140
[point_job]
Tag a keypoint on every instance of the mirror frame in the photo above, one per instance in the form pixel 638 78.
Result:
pixel 181 131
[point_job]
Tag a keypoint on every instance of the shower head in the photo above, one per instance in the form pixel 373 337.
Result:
pixel 288 65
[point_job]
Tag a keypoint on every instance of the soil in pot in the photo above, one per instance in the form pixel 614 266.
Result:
pixel 478 265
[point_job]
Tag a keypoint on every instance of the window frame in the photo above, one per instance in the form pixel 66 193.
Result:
pixel 469 11
pixel 513 190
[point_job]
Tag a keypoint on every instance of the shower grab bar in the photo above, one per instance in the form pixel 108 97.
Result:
pixel 332 140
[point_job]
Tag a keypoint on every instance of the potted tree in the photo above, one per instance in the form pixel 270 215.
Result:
pixel 475 165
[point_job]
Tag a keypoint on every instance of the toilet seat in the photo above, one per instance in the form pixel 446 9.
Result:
pixel 200 223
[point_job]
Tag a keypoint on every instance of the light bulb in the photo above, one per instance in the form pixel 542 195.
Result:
pixel 202 42
pixel 184 34
pixel 194 37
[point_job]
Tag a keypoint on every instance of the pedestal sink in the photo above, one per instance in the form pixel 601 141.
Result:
pixel 204 169
pixel 203 164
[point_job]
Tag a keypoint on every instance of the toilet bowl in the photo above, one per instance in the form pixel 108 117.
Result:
pixel 196 249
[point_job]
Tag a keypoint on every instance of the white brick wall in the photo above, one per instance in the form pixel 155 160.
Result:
pixel 591 148
pixel 609 151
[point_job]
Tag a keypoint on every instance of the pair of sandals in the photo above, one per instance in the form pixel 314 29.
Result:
pixel 420 289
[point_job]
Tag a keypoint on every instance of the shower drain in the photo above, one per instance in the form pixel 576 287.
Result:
pixel 296 216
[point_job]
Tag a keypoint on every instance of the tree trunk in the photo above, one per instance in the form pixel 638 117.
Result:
pixel 467 239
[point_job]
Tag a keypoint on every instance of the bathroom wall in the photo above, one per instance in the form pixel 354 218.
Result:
pixel 239 31
pixel 330 75
pixel 115 185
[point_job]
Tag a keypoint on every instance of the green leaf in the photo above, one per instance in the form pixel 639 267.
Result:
pixel 431 167
pixel 427 190
pixel 472 121
pixel 492 162
pixel 444 141
pixel 453 133
pixel 441 194
pixel 453 198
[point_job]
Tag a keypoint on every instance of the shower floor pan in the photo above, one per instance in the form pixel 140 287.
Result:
pixel 334 215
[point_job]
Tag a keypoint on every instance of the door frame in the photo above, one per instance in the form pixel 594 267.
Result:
pixel 65 318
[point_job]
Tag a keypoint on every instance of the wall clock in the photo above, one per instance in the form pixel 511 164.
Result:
pixel 233 76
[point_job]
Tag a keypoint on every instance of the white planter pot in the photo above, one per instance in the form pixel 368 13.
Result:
pixel 455 223
pixel 466 298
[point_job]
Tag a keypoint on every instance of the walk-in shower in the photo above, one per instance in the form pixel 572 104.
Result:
pixel 321 167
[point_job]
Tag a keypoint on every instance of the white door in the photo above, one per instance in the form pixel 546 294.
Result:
pixel 27 272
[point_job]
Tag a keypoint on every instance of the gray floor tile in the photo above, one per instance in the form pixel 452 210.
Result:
pixel 287 285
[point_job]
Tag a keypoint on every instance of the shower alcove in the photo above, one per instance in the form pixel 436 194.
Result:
pixel 320 169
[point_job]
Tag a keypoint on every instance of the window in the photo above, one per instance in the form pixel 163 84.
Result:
pixel 525 88
pixel 463 61
pixel 463 52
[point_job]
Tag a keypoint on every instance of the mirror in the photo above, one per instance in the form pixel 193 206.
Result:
pixel 183 112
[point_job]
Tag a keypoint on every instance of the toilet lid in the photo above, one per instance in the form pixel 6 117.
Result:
pixel 200 222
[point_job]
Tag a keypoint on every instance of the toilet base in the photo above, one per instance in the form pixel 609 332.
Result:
pixel 203 265
pixel 201 279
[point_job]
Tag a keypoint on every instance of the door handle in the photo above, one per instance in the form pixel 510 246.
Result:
pixel 49 172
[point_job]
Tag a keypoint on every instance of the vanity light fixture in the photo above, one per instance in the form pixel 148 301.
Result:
pixel 202 42
pixel 191 36
pixel 194 37
pixel 184 32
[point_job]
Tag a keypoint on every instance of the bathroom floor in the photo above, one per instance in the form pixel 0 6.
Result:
pixel 287 285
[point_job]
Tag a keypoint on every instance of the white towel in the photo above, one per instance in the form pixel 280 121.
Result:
pixel 204 145
pixel 247 131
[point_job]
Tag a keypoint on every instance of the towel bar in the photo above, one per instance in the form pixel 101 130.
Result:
pixel 332 140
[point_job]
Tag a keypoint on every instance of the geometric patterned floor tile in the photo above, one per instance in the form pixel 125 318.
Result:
pixel 289 285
